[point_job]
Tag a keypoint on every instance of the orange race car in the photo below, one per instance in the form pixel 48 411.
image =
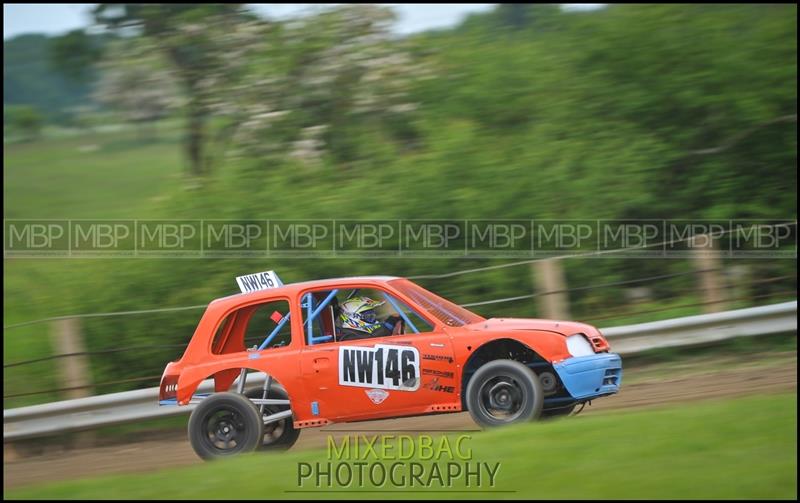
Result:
pixel 353 349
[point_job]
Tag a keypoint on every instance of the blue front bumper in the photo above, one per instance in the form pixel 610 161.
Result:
pixel 591 376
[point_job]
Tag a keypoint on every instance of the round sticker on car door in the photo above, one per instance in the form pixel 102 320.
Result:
pixel 383 366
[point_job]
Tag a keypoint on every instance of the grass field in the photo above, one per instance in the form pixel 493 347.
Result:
pixel 739 449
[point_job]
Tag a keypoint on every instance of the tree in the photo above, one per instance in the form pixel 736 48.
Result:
pixel 29 78
pixel 74 55
pixel 24 120
pixel 205 46
pixel 320 79
pixel 514 16
pixel 136 82
pixel 295 87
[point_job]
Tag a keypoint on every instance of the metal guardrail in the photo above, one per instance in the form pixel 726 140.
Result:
pixel 97 411
pixel 130 406
pixel 704 328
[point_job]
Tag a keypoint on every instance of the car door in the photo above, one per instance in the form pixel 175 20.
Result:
pixel 379 377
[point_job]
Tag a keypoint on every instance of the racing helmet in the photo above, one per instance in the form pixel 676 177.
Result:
pixel 358 313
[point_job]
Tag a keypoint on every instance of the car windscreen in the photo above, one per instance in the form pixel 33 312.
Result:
pixel 442 309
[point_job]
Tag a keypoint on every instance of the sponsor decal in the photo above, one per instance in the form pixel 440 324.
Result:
pixel 445 358
pixel 438 373
pixel 384 366
pixel 377 395
pixel 435 386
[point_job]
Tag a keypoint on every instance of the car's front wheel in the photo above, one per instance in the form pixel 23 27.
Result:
pixel 504 392
pixel 225 424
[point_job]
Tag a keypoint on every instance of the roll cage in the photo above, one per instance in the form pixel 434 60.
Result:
pixel 315 310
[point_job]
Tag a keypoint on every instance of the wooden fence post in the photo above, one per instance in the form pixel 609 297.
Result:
pixel 553 299
pixel 738 280
pixel 706 258
pixel 73 370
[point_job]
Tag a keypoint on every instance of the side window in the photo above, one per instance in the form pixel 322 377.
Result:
pixel 222 334
pixel 263 322
pixel 252 326
pixel 322 328
pixel 411 316
pixel 360 313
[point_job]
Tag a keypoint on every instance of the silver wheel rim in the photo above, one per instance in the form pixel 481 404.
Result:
pixel 502 398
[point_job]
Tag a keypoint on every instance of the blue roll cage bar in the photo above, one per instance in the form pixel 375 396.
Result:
pixel 313 315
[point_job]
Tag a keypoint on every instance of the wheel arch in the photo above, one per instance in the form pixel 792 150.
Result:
pixel 508 348
pixel 224 378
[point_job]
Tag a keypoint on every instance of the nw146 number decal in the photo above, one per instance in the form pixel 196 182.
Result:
pixel 383 366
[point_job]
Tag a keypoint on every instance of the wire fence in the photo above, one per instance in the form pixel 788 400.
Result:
pixel 101 315
pixel 149 347
pixel 675 293
pixel 620 283
pixel 620 314
pixel 494 301
pixel 86 386
pixel 589 287
pixel 156 378
pixel 647 279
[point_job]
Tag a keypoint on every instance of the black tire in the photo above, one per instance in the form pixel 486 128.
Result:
pixel 557 412
pixel 504 392
pixel 225 424
pixel 280 435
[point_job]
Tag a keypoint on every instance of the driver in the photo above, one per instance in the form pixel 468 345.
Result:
pixel 358 319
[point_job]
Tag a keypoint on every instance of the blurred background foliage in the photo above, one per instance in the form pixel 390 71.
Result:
pixel 528 111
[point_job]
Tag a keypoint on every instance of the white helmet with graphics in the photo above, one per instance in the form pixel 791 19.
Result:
pixel 358 313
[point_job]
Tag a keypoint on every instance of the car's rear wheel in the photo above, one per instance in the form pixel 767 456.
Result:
pixel 504 392
pixel 278 435
pixel 225 424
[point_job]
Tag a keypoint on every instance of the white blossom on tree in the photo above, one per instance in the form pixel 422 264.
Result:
pixel 136 83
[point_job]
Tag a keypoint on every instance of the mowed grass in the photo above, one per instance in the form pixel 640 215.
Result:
pixel 743 448
pixel 96 176
pixel 89 176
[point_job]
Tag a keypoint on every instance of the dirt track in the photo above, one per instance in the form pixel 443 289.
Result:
pixel 646 386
